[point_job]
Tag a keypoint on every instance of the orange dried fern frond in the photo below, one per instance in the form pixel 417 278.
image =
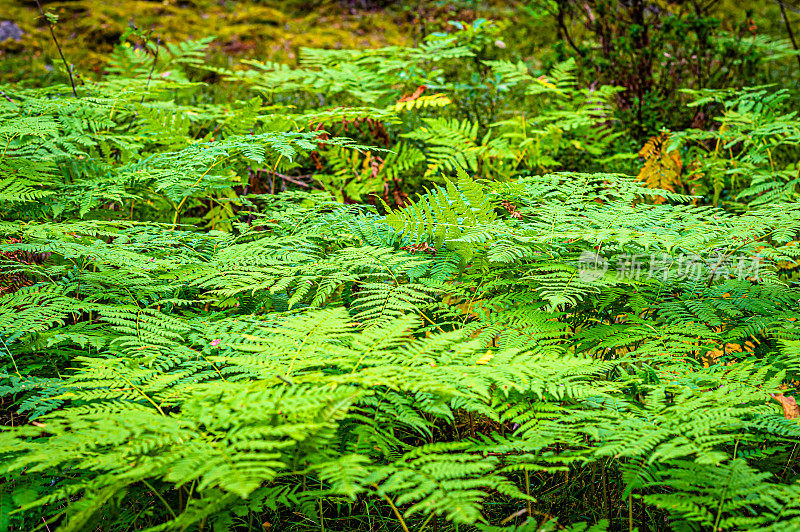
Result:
pixel 662 169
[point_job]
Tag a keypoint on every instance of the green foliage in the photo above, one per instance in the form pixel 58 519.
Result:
pixel 751 158
pixel 346 302
pixel 656 48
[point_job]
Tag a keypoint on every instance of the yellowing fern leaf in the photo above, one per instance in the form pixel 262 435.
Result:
pixel 662 169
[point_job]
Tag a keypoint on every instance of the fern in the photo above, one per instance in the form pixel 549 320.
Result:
pixel 359 286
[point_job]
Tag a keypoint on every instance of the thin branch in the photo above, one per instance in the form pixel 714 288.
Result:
pixel 291 179
pixel 565 31
pixel 792 7
pixel 152 68
pixel 789 30
pixel 58 46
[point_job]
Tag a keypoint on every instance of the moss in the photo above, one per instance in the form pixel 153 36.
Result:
pixel 88 30
pixel 266 30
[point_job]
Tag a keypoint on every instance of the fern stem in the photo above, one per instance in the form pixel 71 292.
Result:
pixel 431 322
pixel 300 348
pixel 722 504
pixel 788 463
pixel 5 346
pixel 3 155
pixel 149 399
pixel 158 494
pixel 180 205
pixel 425 523
pixel 471 300
pixel 630 512
pixel 606 498
pixel 528 491
pixel 394 508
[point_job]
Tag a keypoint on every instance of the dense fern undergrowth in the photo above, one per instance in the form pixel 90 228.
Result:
pixel 394 289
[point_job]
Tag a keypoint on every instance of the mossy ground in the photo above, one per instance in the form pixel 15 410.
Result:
pixel 88 30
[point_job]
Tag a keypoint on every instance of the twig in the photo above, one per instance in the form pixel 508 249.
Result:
pixel 152 68
pixel 292 180
pixel 563 27
pixel 788 463
pixel 295 179
pixel 58 46
pixel 284 379
pixel 789 30
pixel 515 514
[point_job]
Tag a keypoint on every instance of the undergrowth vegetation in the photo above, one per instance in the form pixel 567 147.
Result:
pixel 403 288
